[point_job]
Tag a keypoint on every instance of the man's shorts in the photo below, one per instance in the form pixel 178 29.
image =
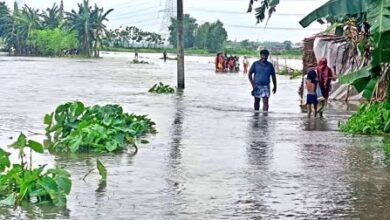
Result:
pixel 261 92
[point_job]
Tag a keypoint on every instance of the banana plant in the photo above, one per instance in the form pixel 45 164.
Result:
pixel 369 79
pixel 265 5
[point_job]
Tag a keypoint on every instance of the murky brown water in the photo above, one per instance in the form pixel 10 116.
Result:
pixel 213 158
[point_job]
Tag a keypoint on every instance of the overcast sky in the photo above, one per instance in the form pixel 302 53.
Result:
pixel 148 15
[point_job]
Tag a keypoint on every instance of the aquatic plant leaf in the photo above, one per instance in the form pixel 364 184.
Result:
pixel 10 200
pixel 35 146
pixel 143 141
pixel 20 142
pixel 102 169
pixel 64 184
pixel 4 160
pixel 48 119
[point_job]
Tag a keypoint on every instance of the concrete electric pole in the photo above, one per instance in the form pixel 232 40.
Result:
pixel 180 45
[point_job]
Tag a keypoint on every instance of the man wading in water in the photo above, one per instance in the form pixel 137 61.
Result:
pixel 262 71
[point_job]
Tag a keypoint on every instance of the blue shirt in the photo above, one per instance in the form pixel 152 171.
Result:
pixel 262 72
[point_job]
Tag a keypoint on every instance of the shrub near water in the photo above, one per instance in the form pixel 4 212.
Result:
pixel 22 182
pixel 161 88
pixel 370 119
pixel 97 128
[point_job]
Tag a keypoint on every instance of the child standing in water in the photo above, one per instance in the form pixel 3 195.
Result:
pixel 311 99
pixel 245 63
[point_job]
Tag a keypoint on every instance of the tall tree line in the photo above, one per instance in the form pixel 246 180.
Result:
pixel 29 31
pixel 208 36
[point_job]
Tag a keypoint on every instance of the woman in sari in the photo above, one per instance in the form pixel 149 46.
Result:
pixel 325 76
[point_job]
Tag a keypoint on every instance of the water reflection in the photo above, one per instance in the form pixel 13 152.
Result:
pixel 174 168
pixel 259 154
pixel 259 151
pixel 315 124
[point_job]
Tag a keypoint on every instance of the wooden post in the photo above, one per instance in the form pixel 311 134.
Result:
pixel 180 45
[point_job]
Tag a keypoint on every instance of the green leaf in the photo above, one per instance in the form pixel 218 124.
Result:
pixel 64 183
pixel 4 160
pixel 102 169
pixel 273 3
pixel 387 127
pixel 20 142
pixel 336 8
pixel 10 200
pixel 48 119
pixel 37 147
pixel 369 90
pixel 143 141
pixel 352 77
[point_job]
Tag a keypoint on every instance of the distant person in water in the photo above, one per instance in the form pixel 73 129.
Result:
pixel 311 97
pixel 165 55
pixel 259 77
pixel 136 55
pixel 245 64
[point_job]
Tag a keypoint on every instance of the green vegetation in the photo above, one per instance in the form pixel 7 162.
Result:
pixel 293 73
pixel 22 182
pixel 208 36
pixel 371 119
pixel 26 30
pixel 97 128
pixel 372 80
pixel 51 42
pixel 161 88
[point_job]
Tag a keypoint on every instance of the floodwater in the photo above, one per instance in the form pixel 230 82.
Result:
pixel 212 158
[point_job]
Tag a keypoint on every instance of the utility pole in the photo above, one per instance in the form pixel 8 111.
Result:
pixel 180 45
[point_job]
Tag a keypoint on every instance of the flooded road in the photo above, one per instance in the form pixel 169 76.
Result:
pixel 212 158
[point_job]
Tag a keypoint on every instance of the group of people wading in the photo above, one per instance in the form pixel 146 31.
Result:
pixel 225 63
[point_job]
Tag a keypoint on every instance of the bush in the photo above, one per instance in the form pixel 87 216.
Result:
pixel 371 119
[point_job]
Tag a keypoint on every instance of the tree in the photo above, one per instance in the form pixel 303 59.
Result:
pixel 201 36
pixel 99 28
pixel 88 23
pixel 5 19
pixel 53 16
pixel 217 37
pixel 287 45
pixel 190 27
pixel 53 42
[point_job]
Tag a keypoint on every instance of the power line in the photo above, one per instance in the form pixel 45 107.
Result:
pixel 273 28
pixel 237 12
